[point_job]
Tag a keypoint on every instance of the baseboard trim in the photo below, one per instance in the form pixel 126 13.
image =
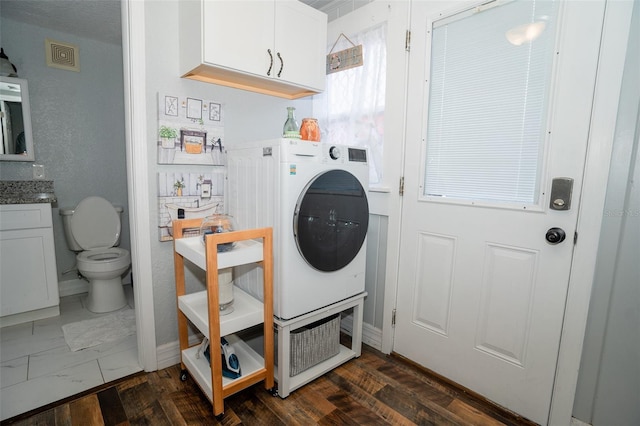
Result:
pixel 79 286
pixel 22 317
pixel 71 287
pixel 578 422
pixel 370 335
pixel 168 354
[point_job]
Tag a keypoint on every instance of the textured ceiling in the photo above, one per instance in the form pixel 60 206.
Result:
pixel 95 19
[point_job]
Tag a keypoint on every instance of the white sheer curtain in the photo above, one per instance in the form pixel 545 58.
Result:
pixel 351 110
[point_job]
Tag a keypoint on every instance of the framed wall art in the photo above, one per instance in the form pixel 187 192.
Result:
pixel 190 130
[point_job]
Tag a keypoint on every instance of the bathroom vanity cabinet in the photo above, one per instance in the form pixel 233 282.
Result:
pixel 202 309
pixel 272 47
pixel 28 274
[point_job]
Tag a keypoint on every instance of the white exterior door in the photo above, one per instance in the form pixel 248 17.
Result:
pixel 481 292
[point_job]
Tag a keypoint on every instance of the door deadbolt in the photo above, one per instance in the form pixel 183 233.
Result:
pixel 555 235
pixel 561 189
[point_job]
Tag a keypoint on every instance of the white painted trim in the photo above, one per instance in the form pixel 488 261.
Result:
pixel 370 335
pixel 605 108
pixel 133 50
pixel 576 422
pixel 169 354
pixel 79 286
pixel 35 315
pixel 394 227
pixel 71 287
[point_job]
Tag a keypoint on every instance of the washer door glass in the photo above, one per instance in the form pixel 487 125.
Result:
pixel 330 220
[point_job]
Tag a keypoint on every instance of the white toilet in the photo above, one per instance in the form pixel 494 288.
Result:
pixel 92 230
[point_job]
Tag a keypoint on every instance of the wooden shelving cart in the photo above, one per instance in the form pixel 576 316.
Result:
pixel 202 309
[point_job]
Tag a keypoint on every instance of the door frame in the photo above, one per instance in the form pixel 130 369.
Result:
pixel 133 52
pixel 385 200
pixel 616 27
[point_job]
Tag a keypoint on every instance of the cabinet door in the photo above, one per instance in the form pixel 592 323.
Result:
pixel 28 275
pixel 238 34
pixel 300 39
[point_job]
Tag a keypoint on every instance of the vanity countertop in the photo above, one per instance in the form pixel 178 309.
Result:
pixel 26 191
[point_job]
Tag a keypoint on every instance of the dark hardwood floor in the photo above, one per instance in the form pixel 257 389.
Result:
pixel 374 389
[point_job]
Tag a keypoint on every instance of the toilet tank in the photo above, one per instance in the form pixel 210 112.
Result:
pixel 66 213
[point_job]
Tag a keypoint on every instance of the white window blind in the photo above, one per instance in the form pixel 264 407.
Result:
pixel 488 104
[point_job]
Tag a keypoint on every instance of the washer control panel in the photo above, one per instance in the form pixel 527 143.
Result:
pixel 334 152
pixel 345 154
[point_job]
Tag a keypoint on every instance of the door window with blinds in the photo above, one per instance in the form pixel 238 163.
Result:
pixel 490 76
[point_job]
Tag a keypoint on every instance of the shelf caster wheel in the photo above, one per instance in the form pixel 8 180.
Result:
pixel 273 391
pixel 183 375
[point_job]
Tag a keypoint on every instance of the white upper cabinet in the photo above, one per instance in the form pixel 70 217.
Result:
pixel 272 47
pixel 300 40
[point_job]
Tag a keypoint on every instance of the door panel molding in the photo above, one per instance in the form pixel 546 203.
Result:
pixel 432 302
pixel 504 319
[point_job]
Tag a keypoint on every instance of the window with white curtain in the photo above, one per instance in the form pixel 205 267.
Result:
pixel 489 78
pixel 354 100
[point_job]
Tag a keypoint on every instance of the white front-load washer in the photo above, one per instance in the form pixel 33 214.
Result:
pixel 314 196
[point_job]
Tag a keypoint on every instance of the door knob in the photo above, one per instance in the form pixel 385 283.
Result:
pixel 555 235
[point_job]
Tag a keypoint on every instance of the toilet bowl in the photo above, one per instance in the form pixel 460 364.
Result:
pixel 92 230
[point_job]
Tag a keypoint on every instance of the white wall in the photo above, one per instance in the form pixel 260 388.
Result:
pixel 78 124
pixel 249 116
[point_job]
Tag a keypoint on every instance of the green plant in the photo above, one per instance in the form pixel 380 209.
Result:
pixel 167 132
pixel 179 184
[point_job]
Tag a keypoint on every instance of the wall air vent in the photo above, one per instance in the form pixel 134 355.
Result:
pixel 62 55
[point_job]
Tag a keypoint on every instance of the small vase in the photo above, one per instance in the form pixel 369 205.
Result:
pixel 290 129
pixel 168 143
pixel 309 130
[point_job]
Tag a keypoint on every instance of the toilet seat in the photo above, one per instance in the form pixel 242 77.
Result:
pixel 103 259
pixel 102 255
pixel 95 224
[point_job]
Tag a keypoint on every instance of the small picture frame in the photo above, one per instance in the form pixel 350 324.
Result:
pixel 171 106
pixel 214 111
pixel 194 108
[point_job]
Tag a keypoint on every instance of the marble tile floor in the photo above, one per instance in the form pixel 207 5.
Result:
pixel 37 367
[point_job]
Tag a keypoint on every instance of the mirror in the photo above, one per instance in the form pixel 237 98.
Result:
pixel 15 119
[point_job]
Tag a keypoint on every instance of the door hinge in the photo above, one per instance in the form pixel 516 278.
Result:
pixel 393 318
pixel 401 188
pixel 575 238
pixel 407 41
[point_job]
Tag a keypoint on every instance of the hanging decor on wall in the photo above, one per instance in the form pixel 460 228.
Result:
pixel 183 195
pixel 190 131
pixel 344 59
